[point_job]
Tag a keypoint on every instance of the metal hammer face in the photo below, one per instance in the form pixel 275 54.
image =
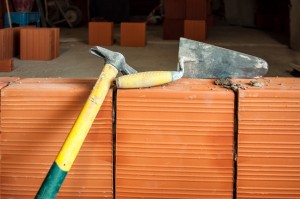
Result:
pixel 115 59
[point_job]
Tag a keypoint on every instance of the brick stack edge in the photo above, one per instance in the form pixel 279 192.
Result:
pixel 174 19
pixel 6 43
pixel 182 19
pixel 6 50
pixel 39 43
pixel 174 141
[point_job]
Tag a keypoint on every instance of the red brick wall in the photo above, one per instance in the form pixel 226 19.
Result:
pixel 172 141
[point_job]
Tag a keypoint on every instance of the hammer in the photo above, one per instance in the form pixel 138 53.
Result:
pixel 114 63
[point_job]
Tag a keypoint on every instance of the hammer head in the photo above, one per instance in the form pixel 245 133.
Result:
pixel 113 58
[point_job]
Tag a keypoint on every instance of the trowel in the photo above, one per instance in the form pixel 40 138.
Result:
pixel 211 61
pixel 200 61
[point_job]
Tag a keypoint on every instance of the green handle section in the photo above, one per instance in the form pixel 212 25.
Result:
pixel 52 183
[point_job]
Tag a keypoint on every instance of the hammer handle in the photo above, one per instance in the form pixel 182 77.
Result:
pixel 76 137
pixel 144 79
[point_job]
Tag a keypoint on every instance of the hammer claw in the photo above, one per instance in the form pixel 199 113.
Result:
pixel 113 58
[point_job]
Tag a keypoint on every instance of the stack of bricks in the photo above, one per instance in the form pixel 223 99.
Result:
pixel 187 18
pixel 6 50
pixel 29 42
pixel 195 22
pixel 173 27
pixel 39 43
pixel 133 34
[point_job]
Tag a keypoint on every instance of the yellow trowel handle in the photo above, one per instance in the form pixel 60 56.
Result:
pixel 146 79
pixel 77 135
pixel 151 78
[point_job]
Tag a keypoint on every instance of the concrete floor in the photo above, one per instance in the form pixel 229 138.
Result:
pixel 76 61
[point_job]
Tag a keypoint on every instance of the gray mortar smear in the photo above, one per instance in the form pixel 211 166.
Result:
pixel 229 84
pixel 256 84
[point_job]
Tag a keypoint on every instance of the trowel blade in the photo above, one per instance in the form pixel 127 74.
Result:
pixel 216 62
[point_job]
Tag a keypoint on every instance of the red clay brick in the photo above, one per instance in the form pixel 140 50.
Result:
pixel 6 65
pixel 174 9
pixel 39 43
pixel 195 29
pixel 175 141
pixel 101 33
pixel 173 29
pixel 268 139
pixel 6 43
pixel 133 34
pixel 36 118
pixel 196 9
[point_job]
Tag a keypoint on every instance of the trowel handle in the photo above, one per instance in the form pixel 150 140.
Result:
pixel 146 79
pixel 152 78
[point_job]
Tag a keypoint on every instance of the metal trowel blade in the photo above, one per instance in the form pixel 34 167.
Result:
pixel 216 62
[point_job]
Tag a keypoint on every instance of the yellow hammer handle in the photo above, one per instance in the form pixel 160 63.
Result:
pixel 144 79
pixel 81 127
